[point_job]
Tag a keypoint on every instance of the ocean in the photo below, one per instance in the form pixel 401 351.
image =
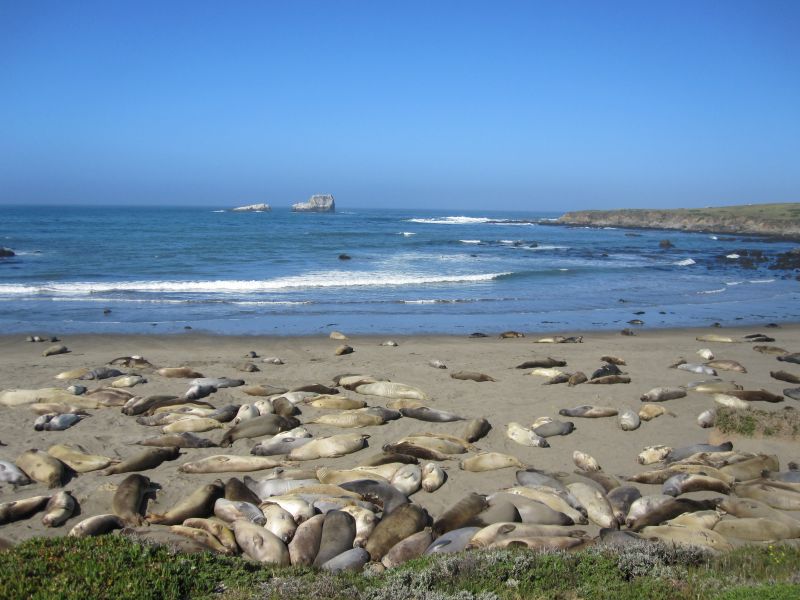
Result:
pixel 168 270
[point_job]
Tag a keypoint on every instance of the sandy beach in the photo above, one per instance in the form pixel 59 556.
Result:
pixel 514 396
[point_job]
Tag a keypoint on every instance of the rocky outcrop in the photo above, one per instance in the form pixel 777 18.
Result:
pixel 760 219
pixel 317 203
pixel 252 208
pixel 6 252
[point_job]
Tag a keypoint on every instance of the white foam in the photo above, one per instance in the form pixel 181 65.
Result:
pixel 406 233
pixel 329 279
pixel 732 256
pixel 685 263
pixel 713 237
pixel 421 301
pixel 761 281
pixel 217 211
pixel 563 269
pixel 470 241
pixel 451 220
pixel 545 247
pixel 712 291
pixel 734 282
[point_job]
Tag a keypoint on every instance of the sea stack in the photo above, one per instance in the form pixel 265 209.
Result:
pixel 252 208
pixel 317 203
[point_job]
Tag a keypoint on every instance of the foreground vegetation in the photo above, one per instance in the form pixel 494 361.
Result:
pixel 117 567
pixel 759 423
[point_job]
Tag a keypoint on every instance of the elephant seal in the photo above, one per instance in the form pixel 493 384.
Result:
pixel 621 498
pixel 554 428
pixel 661 394
pixel 471 376
pixel 351 560
pixel 461 513
pixel 489 461
pixel 55 349
pixel 606 370
pixel 756 395
pixel 202 537
pixel 401 523
pixel 793 393
pixel 279 521
pixel 128 498
pixel 726 365
pixel 97 525
pixel 385 458
pixel 535 477
pixel 489 536
pixel 343 349
pixel 653 454
pixel 524 436
pixel 41 467
pixel 412 547
pixel 365 520
pixel 179 372
pixel 790 358
pixel 544 363
pixel 237 491
pixel 415 450
pixel 260 544
pixel 452 541
pixel 59 509
pixel 10 473
pixel 21 509
pixel 785 376
pixel 707 418
pixel 389 389
pixel 231 511
pixel 597 506
pixel 610 379
pixel 278 445
pixel 329 447
pixel 585 462
pixel 682 483
pixel 305 544
pixel 533 511
pixel 178 440
pixel 383 494
pixel 680 453
pixel 424 413
pixel 629 420
pixel 476 429
pixel 433 477
pixel 257 427
pixel 648 412
pixel 350 419
pixel 666 510
pixel 144 460
pixel 199 503
pixel 498 511
pixel 338 534
pixel 229 463
pixel 588 411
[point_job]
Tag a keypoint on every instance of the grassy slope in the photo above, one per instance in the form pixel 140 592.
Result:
pixel 776 219
pixel 116 567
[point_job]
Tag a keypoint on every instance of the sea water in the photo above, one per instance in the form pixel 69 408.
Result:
pixel 167 270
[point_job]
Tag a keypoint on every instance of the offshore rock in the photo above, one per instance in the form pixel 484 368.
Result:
pixel 317 203
pixel 252 208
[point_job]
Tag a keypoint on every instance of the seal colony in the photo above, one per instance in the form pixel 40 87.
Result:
pixel 337 460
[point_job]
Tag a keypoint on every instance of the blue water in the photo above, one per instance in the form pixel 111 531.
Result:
pixel 160 270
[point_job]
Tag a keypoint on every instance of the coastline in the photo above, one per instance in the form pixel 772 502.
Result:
pixel 515 396
pixel 777 221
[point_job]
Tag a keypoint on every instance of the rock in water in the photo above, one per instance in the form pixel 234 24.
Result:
pixel 317 203
pixel 253 208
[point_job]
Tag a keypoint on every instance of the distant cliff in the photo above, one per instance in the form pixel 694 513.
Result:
pixel 756 219
pixel 317 203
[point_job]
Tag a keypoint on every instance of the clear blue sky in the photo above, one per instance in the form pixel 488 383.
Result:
pixel 514 105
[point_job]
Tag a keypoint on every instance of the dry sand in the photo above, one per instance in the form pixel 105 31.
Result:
pixel 515 396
